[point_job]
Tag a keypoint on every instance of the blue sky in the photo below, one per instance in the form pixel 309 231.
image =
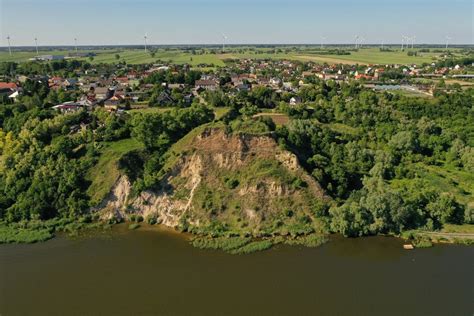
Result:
pixel 57 22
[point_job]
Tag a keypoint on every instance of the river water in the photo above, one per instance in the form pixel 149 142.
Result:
pixel 157 272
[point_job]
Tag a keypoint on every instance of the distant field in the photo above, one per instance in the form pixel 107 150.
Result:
pixel 131 56
pixel 138 56
pixel 374 56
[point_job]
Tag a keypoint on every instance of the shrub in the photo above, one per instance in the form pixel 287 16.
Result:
pixel 223 243
pixel 133 226
pixel 253 247
pixel 232 183
pixel 10 234
pixel 312 240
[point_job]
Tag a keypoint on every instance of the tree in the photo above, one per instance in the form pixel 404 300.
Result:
pixel 249 110
pixel 445 209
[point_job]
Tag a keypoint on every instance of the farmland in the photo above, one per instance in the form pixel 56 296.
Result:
pixel 211 57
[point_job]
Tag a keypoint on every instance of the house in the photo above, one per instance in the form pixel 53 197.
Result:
pixel 188 98
pixel 238 80
pixel 164 99
pixel 9 89
pixel 123 81
pixel 363 76
pixel 102 93
pixel 70 83
pixel 242 87
pixel 207 84
pixel 68 107
pixel 14 95
pixel 8 85
pixel 295 100
pixel 114 100
pixel 111 107
pixel 47 57
pixel 275 82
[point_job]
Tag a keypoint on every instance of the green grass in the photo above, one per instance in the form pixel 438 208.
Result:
pixel 23 56
pixel 422 243
pixel 142 57
pixel 133 226
pixel 458 182
pixel 232 245
pixel 460 229
pixel 312 240
pixel 12 234
pixel 131 56
pixel 139 56
pixel 151 110
pixel 373 56
pixel 444 178
pixel 105 173
pixel 254 246
pixel 219 112
pixel 344 129
pixel 363 56
pixel 220 243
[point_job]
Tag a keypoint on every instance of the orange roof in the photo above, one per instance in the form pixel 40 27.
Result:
pixel 8 85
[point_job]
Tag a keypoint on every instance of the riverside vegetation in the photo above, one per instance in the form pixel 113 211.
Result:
pixel 349 161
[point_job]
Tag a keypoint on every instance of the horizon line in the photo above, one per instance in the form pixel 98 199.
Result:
pixel 230 45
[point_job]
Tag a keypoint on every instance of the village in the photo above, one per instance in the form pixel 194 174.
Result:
pixel 123 87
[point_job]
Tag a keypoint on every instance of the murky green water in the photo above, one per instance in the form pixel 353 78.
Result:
pixel 158 273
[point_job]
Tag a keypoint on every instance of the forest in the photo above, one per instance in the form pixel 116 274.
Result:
pixel 373 153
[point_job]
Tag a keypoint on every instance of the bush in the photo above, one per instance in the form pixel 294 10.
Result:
pixel 422 243
pixel 232 183
pixel 133 226
pixel 312 240
pixel 222 243
pixel 11 234
pixel 152 219
pixel 253 247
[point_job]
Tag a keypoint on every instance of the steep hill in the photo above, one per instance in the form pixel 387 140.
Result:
pixel 216 182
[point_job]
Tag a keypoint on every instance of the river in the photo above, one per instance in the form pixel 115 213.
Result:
pixel 157 272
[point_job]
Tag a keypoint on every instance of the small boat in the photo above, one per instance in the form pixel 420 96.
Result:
pixel 408 247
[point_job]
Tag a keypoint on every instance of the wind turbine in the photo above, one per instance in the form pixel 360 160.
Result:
pixel 224 38
pixel 145 37
pixel 405 41
pixel 413 39
pixel 447 41
pixel 75 44
pixel 362 39
pixel 322 41
pixel 356 39
pixel 36 44
pixel 9 46
pixel 382 44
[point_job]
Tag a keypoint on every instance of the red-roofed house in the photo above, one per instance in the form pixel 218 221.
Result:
pixel 8 85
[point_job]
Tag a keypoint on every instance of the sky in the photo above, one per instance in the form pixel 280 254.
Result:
pixel 121 22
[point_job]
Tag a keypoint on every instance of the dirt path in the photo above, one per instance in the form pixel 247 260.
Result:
pixel 449 235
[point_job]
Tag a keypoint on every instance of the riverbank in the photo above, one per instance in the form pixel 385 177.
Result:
pixel 40 231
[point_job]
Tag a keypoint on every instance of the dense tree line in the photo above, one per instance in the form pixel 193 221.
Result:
pixel 356 147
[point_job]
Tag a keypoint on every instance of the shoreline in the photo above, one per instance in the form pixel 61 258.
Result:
pixel 243 244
